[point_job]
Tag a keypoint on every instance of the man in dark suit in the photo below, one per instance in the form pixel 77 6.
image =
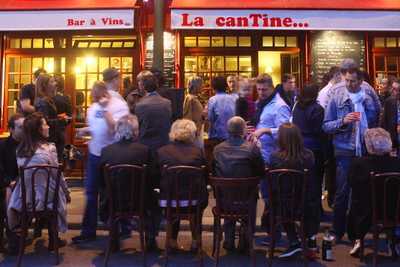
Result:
pixel 127 150
pixel 154 114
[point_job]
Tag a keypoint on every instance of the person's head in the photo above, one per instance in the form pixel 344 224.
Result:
pixel 127 128
pixel 290 142
pixel 308 94
pixel 346 65
pixel 35 132
pixel 378 141
pixel 231 81
pixel 111 78
pixel 45 86
pixel 183 131
pixel 265 86
pixel 334 75
pixel 353 79
pixel 147 81
pixel 37 72
pixel 99 90
pixel 15 126
pixel 219 84
pixel 140 77
pixel 194 85
pixel 236 127
pixel 396 87
pixel 288 82
pixel 159 76
pixel 245 87
pixel 385 84
pixel 59 82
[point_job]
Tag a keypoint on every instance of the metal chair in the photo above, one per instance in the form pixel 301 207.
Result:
pixel 236 200
pixel 385 191
pixel 29 212
pixel 125 189
pixel 287 196
pixel 185 188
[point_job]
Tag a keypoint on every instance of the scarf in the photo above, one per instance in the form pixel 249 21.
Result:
pixel 260 107
pixel 361 126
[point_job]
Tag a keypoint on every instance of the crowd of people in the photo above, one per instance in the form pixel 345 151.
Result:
pixel 340 133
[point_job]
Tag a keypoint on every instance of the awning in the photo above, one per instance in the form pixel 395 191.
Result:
pixel 65 4
pixel 38 15
pixel 288 4
pixel 355 15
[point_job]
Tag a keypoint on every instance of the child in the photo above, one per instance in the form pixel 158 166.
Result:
pixel 245 106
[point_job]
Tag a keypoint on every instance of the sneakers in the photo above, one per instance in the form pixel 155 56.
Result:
pixel 356 248
pixel 292 250
pixel 83 239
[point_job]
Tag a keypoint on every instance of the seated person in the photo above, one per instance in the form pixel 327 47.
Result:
pixel 35 150
pixel 126 150
pixel 181 151
pixel 378 160
pixel 233 158
pixel 292 154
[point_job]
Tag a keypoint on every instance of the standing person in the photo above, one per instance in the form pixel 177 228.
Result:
pixel 351 111
pixel 221 108
pixel 391 116
pixel 287 90
pixel 136 94
pixel 232 82
pixel 245 106
pixel 64 113
pixel 193 110
pixel 386 90
pixel 334 77
pixel 308 116
pixel 154 113
pixel 28 94
pixel 107 108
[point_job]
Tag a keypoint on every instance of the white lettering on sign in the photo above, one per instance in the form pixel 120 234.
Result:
pixel 66 20
pixel 286 19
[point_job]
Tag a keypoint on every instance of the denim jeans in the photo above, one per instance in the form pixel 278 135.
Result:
pixel 342 195
pixel 92 184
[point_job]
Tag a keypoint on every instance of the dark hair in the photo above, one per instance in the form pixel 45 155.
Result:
pixel 219 84
pixel 357 71
pixel 42 84
pixel 308 95
pixel 127 83
pixel 150 82
pixel 366 76
pixel 13 119
pixel 38 72
pixel 290 143
pixel 159 76
pixel 287 77
pixel 59 79
pixel 32 136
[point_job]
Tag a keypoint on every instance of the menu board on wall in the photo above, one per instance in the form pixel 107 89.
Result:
pixel 329 48
pixel 169 57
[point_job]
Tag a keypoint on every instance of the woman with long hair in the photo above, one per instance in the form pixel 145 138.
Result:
pixel 35 150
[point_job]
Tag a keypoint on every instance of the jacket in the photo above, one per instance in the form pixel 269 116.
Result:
pixel 49 110
pixel 221 108
pixel 390 119
pixel 339 106
pixel 8 161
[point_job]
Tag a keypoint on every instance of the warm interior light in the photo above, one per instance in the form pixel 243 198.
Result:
pixel 77 70
pixel 49 67
pixel 89 60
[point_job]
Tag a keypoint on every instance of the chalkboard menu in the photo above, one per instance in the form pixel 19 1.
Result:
pixel 329 48
pixel 169 57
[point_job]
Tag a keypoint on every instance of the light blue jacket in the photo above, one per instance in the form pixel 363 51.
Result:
pixel 339 106
pixel 272 116
pixel 221 108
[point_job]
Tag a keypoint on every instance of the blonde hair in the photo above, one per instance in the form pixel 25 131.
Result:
pixel 378 141
pixel 183 131
pixel 99 90
pixel 127 128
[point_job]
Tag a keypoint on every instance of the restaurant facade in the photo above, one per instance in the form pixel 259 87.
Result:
pixel 78 39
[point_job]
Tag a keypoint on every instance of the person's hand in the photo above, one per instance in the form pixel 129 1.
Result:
pixel 351 117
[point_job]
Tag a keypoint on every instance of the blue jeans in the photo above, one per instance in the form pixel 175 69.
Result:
pixel 342 195
pixel 92 184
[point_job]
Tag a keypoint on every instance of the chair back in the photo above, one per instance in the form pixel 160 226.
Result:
pixel 385 190
pixel 125 189
pixel 185 186
pixel 287 193
pixel 235 197
pixel 35 178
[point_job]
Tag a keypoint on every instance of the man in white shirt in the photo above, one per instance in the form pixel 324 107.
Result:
pixel 334 78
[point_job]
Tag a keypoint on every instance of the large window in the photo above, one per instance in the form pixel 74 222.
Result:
pixel 217 41
pixel 386 66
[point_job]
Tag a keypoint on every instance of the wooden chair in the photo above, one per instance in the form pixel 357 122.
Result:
pixel 287 196
pixel 3 216
pixel 125 189
pixel 47 214
pixel 236 200
pixel 385 191
pixel 184 201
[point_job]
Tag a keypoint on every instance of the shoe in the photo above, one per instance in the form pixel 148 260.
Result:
pixel 83 239
pixel 356 248
pixel 268 239
pixel 292 250
pixel 229 246
pixel 312 244
pixel 61 243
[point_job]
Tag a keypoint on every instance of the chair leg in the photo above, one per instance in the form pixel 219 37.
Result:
pixel 21 248
pixel 304 244
pixel 250 239
pixel 142 242
pixel 362 250
pixel 214 237
pixel 199 241
pixel 272 242
pixel 376 240
pixel 167 240
pixel 111 233
pixel 218 242
pixel 55 239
